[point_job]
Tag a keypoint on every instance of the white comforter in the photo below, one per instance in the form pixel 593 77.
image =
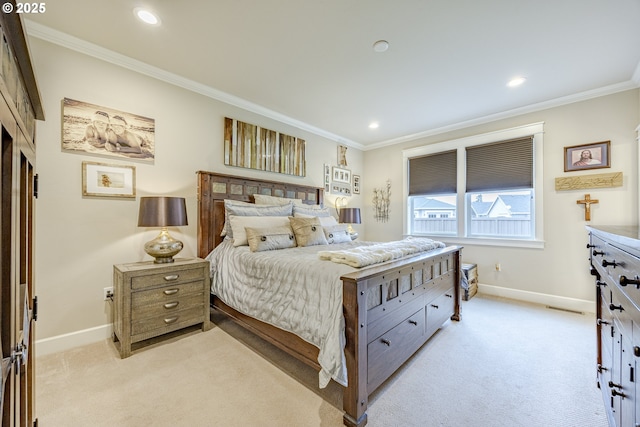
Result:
pixel 291 289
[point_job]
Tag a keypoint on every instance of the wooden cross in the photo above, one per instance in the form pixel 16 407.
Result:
pixel 587 206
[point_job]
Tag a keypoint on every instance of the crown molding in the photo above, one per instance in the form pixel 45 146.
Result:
pixel 48 34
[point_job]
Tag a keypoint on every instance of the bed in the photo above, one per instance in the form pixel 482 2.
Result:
pixel 389 310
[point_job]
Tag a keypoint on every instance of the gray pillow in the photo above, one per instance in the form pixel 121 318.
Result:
pixel 272 238
pixel 308 231
pixel 237 208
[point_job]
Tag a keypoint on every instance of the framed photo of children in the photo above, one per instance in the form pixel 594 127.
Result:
pixel 102 180
pixel 97 130
pixel 588 156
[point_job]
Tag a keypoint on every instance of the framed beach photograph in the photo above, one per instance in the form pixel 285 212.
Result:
pixel 107 132
pixel 341 175
pixel 103 180
pixel 588 156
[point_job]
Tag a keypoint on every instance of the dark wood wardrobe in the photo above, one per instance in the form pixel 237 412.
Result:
pixel 20 107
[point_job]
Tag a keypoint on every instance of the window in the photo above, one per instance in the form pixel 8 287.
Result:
pixel 478 188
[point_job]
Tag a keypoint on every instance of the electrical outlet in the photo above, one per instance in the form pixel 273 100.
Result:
pixel 108 293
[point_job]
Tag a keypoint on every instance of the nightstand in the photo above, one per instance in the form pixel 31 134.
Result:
pixel 153 299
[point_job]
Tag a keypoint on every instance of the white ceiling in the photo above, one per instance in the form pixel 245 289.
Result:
pixel 310 63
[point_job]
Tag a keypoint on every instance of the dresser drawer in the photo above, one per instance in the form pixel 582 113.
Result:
pixel 168 306
pixel 439 311
pixel 172 277
pixel 169 322
pixel 386 353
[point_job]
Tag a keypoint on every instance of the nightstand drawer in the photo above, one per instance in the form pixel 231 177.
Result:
pixel 166 307
pixel 164 294
pixel 161 279
pixel 170 321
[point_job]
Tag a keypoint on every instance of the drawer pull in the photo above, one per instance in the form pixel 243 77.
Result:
pixel 602 322
pixel 596 253
pixel 448 295
pixel 434 306
pixel 599 283
pixel 413 322
pixel 171 291
pixel 606 263
pixel 615 392
pixel 171 304
pixel 170 320
pixel 386 342
pixel 615 307
pixel 601 368
pixel 624 281
pixel 171 278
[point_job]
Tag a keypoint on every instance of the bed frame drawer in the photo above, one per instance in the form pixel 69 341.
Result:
pixel 439 310
pixel 388 352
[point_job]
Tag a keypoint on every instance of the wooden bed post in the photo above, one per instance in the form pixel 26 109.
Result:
pixel 356 397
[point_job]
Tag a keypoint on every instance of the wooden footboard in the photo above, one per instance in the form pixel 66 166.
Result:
pixel 390 310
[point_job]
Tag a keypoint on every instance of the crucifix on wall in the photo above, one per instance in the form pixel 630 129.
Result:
pixel 587 202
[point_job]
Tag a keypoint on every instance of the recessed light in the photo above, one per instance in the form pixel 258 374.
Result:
pixel 146 16
pixel 517 81
pixel 381 46
pixel 374 125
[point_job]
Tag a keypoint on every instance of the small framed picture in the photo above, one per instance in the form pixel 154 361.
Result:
pixel 342 155
pixel 587 156
pixel 103 180
pixel 356 184
pixel 341 175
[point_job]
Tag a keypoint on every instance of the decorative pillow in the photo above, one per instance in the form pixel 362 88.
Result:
pixel 237 208
pixel 263 199
pixel 308 231
pixel 325 221
pixel 268 239
pixel 312 210
pixel 337 234
pixel 239 223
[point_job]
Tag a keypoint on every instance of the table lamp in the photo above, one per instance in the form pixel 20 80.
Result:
pixel 350 216
pixel 162 212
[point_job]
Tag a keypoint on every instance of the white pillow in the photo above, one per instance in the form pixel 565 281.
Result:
pixel 312 210
pixel 263 199
pixel 325 221
pixel 337 234
pixel 238 224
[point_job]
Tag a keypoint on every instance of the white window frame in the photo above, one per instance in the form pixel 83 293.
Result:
pixel 535 129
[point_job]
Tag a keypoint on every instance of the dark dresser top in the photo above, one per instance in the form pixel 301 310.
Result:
pixel 619 235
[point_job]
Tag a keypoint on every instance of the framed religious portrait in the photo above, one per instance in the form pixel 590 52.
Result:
pixel 587 156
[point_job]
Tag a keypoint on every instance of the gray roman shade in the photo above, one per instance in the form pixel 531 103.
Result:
pixel 501 165
pixel 433 174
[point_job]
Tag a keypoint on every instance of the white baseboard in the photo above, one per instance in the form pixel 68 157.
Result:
pixel 74 339
pixel 554 301
pixel 91 335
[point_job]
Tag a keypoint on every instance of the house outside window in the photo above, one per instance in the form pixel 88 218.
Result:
pixel 481 188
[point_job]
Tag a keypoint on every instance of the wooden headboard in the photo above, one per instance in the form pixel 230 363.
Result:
pixel 214 188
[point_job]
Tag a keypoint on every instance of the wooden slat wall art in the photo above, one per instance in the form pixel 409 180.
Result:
pixel 253 147
pixel 601 180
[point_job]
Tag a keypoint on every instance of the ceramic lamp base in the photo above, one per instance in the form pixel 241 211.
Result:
pixel 163 248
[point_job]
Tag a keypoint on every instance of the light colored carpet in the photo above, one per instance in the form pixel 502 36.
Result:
pixel 505 364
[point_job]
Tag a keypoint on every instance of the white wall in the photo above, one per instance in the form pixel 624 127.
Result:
pixel 79 239
pixel 557 274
